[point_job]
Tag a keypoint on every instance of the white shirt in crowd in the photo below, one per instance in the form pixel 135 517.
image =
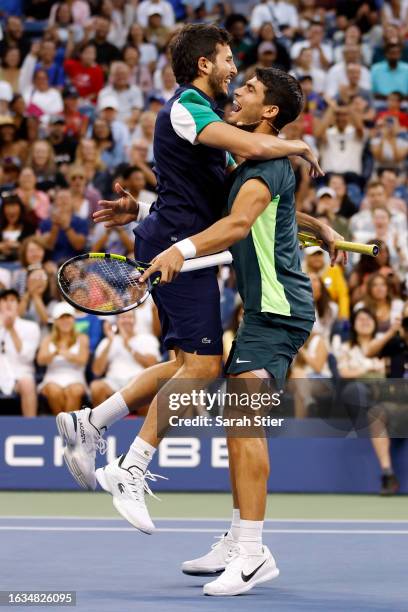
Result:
pixel 14 365
pixel 337 76
pixel 304 44
pixel 318 77
pixel 127 99
pixel 50 101
pixel 121 364
pixel 164 8
pixel 282 13
pixel 342 151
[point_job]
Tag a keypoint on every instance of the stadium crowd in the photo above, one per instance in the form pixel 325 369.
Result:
pixel 81 83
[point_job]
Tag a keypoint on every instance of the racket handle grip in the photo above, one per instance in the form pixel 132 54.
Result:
pixel 208 261
pixel 357 247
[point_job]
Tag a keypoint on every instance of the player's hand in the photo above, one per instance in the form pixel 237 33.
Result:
pixel 329 237
pixel 168 263
pixel 114 213
pixel 310 157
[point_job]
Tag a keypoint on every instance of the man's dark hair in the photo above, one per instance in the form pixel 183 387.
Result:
pixel 283 91
pixel 192 42
pixel 234 18
pixel 127 172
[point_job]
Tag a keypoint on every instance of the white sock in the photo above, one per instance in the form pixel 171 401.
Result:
pixel 140 454
pixel 250 536
pixel 235 525
pixel 111 410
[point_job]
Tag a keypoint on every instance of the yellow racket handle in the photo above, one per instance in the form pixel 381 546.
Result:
pixel 353 247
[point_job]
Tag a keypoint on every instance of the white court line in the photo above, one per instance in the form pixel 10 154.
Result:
pixel 202 520
pixel 198 530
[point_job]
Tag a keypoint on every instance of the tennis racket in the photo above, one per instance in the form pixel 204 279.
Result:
pixel 342 245
pixel 108 284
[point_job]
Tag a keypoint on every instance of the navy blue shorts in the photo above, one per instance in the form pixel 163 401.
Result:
pixel 189 307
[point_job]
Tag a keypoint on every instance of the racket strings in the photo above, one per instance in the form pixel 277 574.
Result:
pixel 103 284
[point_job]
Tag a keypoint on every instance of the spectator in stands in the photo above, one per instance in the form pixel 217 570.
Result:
pixel 281 14
pixel 380 302
pixel 106 53
pixel 10 68
pixel 14 37
pixel 326 309
pixel 36 302
pixel 353 37
pixel 41 159
pixel 163 8
pixel 337 75
pixel 110 154
pixel 134 181
pixel 10 145
pixel 64 146
pixel 352 87
pixel 64 233
pixel 156 32
pixel 389 180
pixel 267 58
pixel 339 186
pixel 19 342
pixel 352 361
pixel 328 206
pixel 304 68
pixel 148 52
pixel 128 96
pixel 364 268
pixel 108 110
pixel 65 353
pixel 394 12
pixel 6 96
pixel 75 122
pixel 242 45
pixel 36 202
pixel 389 149
pixel 79 11
pixel 121 356
pixel 267 34
pixel 32 256
pixel 77 189
pixel 341 138
pixel 139 74
pixel 361 224
pixel 390 75
pixel 396 241
pixel 85 73
pixel 394 100
pixel 332 277
pixel 41 98
pixel 89 159
pixel 64 19
pixel 13 227
pixel 393 345
pixel 322 51
pixel 42 55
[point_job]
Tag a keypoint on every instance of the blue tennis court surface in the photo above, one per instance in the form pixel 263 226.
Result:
pixel 325 565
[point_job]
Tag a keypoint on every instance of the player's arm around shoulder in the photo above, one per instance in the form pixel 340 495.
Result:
pixel 250 202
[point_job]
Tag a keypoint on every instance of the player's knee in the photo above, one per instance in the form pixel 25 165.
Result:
pixel 203 369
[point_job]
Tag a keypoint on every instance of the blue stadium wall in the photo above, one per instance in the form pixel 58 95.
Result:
pixel 31 458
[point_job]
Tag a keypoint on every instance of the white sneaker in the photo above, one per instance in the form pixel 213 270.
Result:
pixel 214 561
pixel 82 440
pixel 243 572
pixel 128 487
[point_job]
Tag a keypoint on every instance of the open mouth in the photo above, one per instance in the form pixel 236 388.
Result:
pixel 236 107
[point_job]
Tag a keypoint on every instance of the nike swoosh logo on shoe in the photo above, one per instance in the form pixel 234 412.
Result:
pixel 252 574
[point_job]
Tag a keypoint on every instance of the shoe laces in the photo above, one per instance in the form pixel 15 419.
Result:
pixel 232 546
pixel 138 484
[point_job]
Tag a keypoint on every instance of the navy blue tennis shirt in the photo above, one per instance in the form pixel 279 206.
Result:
pixel 191 176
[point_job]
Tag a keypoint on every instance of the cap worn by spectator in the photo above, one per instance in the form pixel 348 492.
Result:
pixel 6 120
pixel 70 92
pixel 155 10
pixel 266 47
pixel 61 309
pixel 108 102
pixel 313 250
pixel 325 191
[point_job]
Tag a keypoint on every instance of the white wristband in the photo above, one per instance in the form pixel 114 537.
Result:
pixel 144 210
pixel 186 248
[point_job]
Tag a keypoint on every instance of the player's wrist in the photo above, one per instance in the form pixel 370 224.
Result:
pixel 186 248
pixel 143 210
